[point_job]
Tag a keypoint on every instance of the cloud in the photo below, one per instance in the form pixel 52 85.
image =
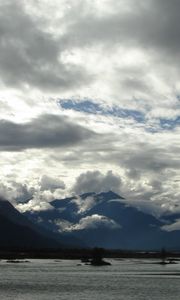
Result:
pixel 93 222
pixel 16 192
pixel 49 183
pixel 40 200
pixel 68 54
pixel 96 182
pixel 34 205
pixel 84 203
pixel 125 24
pixel 23 192
pixel 141 43
pixel 45 131
pixel 63 225
pixel 172 227
pixel 117 64
pixel 31 54
pixel 5 192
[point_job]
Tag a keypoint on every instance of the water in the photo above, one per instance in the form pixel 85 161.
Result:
pixel 124 280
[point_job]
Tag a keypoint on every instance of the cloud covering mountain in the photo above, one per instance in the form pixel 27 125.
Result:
pixel 108 220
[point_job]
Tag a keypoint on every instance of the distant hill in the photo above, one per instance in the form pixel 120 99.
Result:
pixel 106 220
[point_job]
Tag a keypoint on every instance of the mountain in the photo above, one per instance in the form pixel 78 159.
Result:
pixel 107 220
pixel 16 231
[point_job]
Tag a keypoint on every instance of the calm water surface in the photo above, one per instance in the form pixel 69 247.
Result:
pixel 66 280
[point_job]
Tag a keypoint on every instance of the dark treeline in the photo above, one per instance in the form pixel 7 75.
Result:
pixel 16 253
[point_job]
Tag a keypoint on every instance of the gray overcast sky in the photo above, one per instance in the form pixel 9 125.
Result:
pixel 90 99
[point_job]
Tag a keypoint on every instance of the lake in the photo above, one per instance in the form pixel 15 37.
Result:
pixel 71 280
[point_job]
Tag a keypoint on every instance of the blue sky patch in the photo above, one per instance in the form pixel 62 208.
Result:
pixel 90 107
pixel 169 124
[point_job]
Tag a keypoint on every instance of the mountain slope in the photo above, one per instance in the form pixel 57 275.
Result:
pixel 45 236
pixel 17 232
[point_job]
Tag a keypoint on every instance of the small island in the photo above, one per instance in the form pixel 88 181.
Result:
pixel 97 258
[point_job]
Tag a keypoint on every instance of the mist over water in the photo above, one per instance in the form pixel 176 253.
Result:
pixel 69 280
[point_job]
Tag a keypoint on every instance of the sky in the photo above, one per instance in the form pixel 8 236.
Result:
pixel 90 100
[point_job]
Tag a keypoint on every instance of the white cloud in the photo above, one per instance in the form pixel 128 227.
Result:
pixel 63 225
pixel 93 222
pixel 172 227
pixel 34 205
pixel 84 204
pixel 48 183
pixel 97 182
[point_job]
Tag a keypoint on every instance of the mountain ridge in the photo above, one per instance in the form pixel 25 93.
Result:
pixel 107 220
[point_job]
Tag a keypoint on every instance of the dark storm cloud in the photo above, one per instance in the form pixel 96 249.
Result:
pixel 30 55
pixel 165 28
pixel 152 25
pixel 46 131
